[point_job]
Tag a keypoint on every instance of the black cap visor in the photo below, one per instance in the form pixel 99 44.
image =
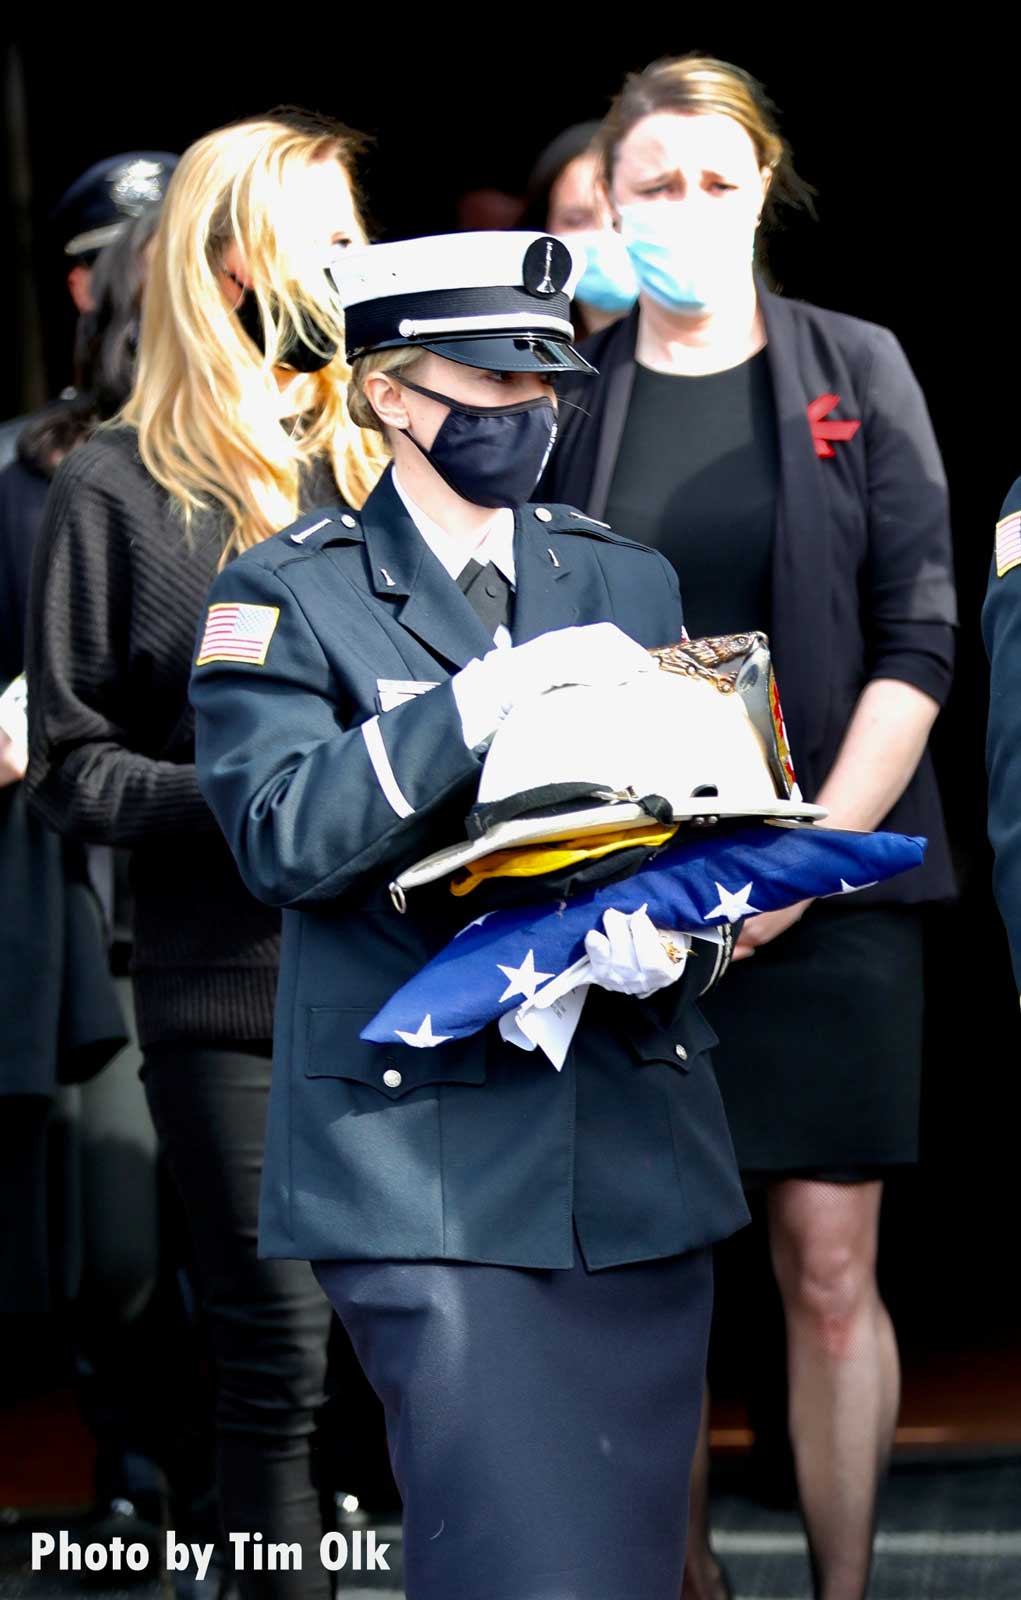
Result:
pixel 502 352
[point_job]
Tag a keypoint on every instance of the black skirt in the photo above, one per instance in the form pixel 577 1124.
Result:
pixel 820 1052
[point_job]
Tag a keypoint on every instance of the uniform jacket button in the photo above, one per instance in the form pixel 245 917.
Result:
pixel 543 515
pixel 349 521
pixel 392 1078
pixel 680 1051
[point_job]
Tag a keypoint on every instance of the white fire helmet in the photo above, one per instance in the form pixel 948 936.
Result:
pixel 701 740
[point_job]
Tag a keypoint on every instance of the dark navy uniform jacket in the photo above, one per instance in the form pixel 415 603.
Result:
pixel 863 583
pixel 479 1151
pixel 1001 630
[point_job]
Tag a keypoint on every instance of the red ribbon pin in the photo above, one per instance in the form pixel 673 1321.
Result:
pixel 823 431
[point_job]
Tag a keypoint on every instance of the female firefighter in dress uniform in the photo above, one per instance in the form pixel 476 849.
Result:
pixel 520 1255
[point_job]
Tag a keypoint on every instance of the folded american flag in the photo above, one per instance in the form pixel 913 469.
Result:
pixel 504 957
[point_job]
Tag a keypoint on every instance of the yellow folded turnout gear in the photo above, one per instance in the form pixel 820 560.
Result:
pixel 535 858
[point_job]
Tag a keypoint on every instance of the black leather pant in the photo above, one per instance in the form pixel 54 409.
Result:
pixel 268 1321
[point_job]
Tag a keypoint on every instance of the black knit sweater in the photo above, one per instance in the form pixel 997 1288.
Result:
pixel 117 594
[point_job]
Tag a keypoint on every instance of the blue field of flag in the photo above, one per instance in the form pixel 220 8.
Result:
pixel 505 956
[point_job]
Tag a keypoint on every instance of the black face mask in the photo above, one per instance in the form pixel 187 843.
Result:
pixel 296 351
pixel 490 455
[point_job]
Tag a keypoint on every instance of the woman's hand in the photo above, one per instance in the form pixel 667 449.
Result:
pixel 880 751
pixel 13 761
pixel 633 956
pixel 766 927
pixel 594 653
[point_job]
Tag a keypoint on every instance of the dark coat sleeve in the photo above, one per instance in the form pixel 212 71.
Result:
pixel 87 774
pixel 1001 630
pixel 311 809
pixel 22 498
pixel 909 601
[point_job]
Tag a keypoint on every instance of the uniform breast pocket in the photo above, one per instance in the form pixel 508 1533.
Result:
pixel 680 1042
pixel 334 1050
pixel 703 1152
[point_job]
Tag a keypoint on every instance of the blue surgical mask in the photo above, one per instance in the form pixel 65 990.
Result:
pixel 608 282
pixel 490 455
pixel 687 263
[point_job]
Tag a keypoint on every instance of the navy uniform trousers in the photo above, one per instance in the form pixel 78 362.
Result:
pixel 520 1256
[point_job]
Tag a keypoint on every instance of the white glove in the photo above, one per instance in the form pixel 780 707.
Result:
pixel 487 689
pixel 633 956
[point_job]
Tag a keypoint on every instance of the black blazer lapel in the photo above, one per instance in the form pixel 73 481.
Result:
pixel 403 570
pixel 802 564
pixel 617 387
pixel 802 555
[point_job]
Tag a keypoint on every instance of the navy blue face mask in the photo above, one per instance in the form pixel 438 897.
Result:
pixel 490 455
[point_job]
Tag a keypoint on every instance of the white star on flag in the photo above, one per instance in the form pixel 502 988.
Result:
pixel 425 1036
pixel 852 888
pixel 733 905
pixel 522 980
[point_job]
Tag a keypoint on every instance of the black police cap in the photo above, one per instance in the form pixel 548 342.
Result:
pixel 99 204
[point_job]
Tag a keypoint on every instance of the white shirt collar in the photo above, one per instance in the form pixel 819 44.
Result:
pixel 496 543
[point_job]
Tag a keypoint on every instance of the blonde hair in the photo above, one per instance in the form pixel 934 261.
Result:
pixel 205 402
pixel 403 358
pixel 695 83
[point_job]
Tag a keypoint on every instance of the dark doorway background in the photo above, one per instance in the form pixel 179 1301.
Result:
pixel 913 149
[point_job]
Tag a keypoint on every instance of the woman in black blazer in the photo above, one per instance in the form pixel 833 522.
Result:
pixel 782 457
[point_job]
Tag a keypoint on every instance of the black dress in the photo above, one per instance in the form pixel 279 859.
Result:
pixel 820 1032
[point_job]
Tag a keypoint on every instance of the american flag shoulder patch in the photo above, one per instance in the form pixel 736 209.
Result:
pixel 236 631
pixel 1008 543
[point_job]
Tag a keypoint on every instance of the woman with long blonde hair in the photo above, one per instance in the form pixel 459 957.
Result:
pixel 236 424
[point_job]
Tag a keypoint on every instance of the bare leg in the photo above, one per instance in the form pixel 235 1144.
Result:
pixel 843 1370
pixel 703 1579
